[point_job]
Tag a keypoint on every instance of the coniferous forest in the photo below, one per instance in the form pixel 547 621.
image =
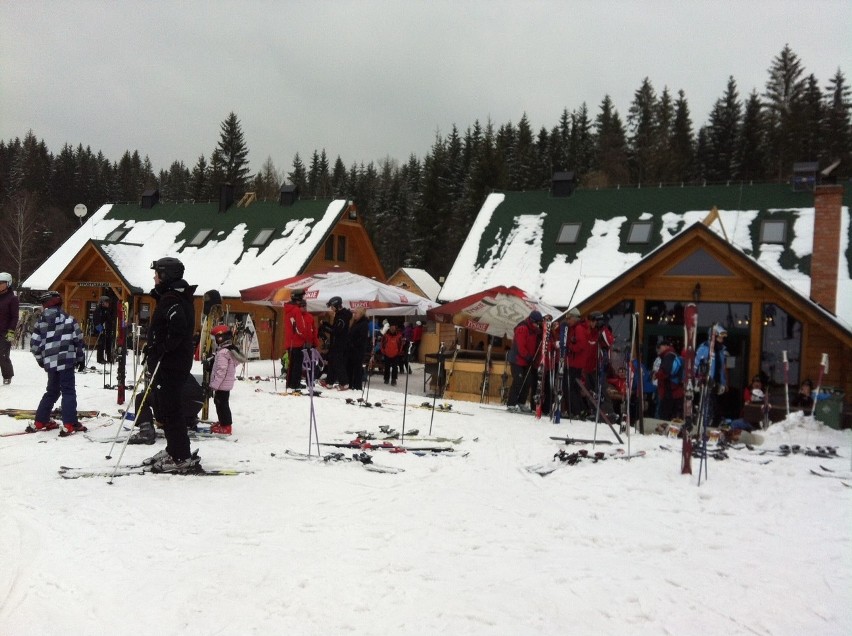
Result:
pixel 418 211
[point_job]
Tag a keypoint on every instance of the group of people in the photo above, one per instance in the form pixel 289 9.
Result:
pixel 347 340
pixel 578 345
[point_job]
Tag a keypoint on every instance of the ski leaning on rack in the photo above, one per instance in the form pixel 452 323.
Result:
pixel 360 459
pixel 592 400
pixel 121 350
pixel 211 316
pixel 707 390
pixel 542 368
pixel 690 329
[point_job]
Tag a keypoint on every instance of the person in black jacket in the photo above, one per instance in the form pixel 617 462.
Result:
pixel 105 328
pixel 359 348
pixel 338 347
pixel 169 359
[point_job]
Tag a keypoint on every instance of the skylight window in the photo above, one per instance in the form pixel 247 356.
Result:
pixel 199 238
pixel 262 237
pixel 773 231
pixel 117 235
pixel 640 232
pixel 568 233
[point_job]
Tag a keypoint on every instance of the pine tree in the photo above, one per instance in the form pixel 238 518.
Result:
pixel 198 186
pixel 783 90
pixel 267 183
pixel 611 158
pixel 581 142
pixel 752 142
pixel 233 153
pixel 642 124
pixel 298 176
pixel 837 124
pixel 723 132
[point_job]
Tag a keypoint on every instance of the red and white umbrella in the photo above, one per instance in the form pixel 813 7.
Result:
pixel 355 291
pixel 495 311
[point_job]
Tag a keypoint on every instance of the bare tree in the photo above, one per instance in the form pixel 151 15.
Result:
pixel 20 241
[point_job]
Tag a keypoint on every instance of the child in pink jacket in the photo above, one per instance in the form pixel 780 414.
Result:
pixel 228 356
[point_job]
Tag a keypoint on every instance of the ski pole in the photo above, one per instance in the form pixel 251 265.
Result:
pixel 141 406
pixel 405 400
pixel 437 382
pixel 786 381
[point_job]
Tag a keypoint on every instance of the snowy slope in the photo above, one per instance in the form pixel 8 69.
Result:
pixel 454 545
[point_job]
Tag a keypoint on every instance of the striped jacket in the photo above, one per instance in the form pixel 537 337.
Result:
pixel 57 342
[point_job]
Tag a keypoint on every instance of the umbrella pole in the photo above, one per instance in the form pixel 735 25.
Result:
pixel 365 393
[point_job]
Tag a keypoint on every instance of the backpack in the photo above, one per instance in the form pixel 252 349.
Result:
pixel 676 376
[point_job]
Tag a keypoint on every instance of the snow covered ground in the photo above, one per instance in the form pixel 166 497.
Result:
pixel 454 545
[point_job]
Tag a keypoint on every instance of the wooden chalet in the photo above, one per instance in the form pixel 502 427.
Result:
pixel 224 246
pixel 770 263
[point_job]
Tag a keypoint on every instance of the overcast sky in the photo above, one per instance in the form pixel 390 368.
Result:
pixel 370 79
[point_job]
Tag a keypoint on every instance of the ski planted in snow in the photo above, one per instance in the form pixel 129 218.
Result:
pixel 542 367
pixel 690 329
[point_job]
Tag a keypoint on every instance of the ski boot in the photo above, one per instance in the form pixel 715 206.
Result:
pixel 145 435
pixel 71 428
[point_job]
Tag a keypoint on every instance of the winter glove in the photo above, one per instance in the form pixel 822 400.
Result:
pixel 10 335
pixel 81 366
pixel 721 389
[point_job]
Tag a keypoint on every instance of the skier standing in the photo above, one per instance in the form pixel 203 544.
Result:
pixel 718 366
pixel 105 327
pixel 337 350
pixel 8 323
pixel 57 344
pixel 522 358
pixel 170 345
pixel 227 358
pixel 296 336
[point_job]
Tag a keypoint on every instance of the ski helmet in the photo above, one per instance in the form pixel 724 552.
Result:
pixel 104 299
pixel 50 299
pixel 336 302
pixel 221 332
pixel 168 268
pixel 6 277
pixel 719 330
pixel 536 316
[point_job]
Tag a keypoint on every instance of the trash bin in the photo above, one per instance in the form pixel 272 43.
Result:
pixel 828 408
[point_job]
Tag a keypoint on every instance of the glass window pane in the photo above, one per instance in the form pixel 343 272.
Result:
pixel 568 233
pixel 262 237
pixel 640 232
pixel 199 238
pixel 773 231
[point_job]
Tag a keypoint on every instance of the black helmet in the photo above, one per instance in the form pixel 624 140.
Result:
pixel 168 268
pixel 50 299
pixel 335 301
pixel 104 299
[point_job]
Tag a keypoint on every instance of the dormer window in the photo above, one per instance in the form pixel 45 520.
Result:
pixel 640 232
pixel 773 231
pixel 262 237
pixel 568 233
pixel 199 238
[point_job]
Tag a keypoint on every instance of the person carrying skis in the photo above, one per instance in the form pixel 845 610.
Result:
pixel 105 328
pixel 669 383
pixel 57 344
pixel 169 354
pixel 8 324
pixel 228 357
pixel 522 359
pixel 720 372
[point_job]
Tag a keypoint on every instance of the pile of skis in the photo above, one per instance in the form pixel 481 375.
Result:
pixel 359 459
pixel 564 458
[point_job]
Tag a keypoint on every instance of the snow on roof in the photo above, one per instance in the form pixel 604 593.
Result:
pixel 423 279
pixel 516 255
pixel 222 262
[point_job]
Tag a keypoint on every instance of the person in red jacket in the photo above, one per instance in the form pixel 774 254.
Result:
pixel 298 327
pixel 522 358
pixel 392 352
pixel 576 351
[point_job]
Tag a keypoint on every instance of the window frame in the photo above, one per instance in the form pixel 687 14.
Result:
pixel 638 226
pixel 567 227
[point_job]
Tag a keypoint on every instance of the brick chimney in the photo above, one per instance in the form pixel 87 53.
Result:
pixel 825 261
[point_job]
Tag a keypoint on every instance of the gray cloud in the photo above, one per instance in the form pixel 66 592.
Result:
pixel 370 79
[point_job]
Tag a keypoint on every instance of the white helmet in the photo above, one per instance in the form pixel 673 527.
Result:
pixel 6 277
pixel 757 395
